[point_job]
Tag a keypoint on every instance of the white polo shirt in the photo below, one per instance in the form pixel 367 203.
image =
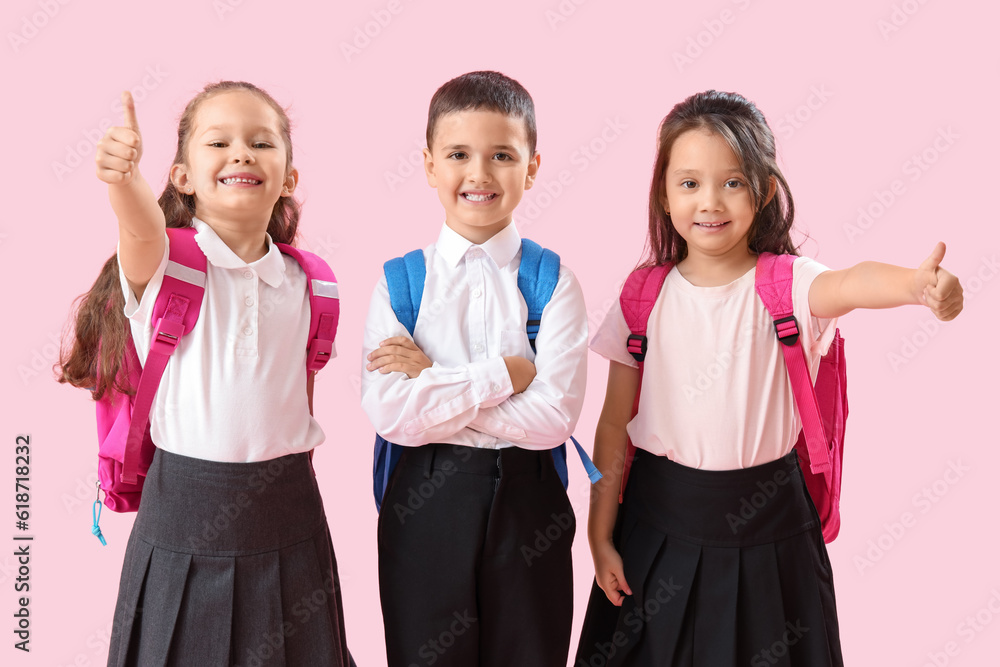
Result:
pixel 715 389
pixel 471 316
pixel 235 388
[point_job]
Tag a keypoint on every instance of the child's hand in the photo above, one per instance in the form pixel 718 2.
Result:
pixel 119 150
pixel 610 573
pixel 398 354
pixel 521 372
pixel 936 288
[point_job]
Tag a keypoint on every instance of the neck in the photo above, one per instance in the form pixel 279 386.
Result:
pixel 707 271
pixel 246 238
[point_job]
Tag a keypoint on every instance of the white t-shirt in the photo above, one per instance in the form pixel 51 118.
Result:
pixel 715 390
pixel 235 388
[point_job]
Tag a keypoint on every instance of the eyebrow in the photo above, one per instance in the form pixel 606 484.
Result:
pixel 257 130
pixel 734 170
pixel 465 147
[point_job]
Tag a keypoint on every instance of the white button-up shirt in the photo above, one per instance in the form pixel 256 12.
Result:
pixel 471 316
pixel 235 387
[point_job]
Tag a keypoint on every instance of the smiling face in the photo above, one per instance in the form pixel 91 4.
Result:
pixel 236 161
pixel 479 161
pixel 707 197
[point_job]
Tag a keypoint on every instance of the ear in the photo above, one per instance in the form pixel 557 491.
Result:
pixel 429 168
pixel 533 165
pixel 291 181
pixel 179 177
pixel 772 189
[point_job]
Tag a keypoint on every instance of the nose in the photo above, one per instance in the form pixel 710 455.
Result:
pixel 243 154
pixel 478 171
pixel 711 199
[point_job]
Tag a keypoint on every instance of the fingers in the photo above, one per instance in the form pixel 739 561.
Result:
pixel 946 298
pixel 119 150
pixel 934 259
pixel 128 104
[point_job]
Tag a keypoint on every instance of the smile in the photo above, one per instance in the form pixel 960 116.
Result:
pixel 471 196
pixel 235 180
pixel 711 225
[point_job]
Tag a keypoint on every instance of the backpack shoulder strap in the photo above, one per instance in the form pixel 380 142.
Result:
pixel 637 299
pixel 324 305
pixel 175 312
pixel 773 283
pixel 536 279
pixel 405 277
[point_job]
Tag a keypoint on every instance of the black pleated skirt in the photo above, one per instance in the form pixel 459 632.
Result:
pixel 229 564
pixel 726 568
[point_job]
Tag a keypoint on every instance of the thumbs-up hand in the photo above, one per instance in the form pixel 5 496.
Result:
pixel 936 288
pixel 119 150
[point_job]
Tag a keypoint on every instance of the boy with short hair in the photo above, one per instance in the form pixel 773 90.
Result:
pixel 464 577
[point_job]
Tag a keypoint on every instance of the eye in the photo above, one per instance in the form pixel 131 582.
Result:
pixel 217 144
pixel 458 155
pixel 734 183
pixel 688 184
pixel 262 144
pixel 503 157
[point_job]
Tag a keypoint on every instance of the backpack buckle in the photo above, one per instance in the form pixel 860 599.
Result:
pixel 636 346
pixel 787 329
pixel 318 353
pixel 166 336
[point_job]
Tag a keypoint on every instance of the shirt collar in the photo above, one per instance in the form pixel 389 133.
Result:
pixel 502 247
pixel 270 268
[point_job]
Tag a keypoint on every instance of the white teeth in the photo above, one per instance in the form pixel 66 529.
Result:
pixel 230 181
pixel 472 197
pixel 710 224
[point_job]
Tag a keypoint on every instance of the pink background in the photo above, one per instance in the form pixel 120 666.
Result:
pixel 852 97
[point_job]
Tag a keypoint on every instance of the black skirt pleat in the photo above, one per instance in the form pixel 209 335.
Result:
pixel 229 564
pixel 726 568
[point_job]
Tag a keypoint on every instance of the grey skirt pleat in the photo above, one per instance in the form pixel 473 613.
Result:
pixel 229 564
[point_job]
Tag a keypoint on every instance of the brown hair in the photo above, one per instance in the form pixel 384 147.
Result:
pixel 489 91
pixel 101 331
pixel 741 124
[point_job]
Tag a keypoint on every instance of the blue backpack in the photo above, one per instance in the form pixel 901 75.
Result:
pixel 536 278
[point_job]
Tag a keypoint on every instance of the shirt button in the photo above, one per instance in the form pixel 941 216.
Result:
pixel 478 347
pixel 496 389
pixel 248 274
pixel 248 301
pixel 476 293
pixel 248 331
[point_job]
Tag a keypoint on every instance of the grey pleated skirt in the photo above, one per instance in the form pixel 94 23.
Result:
pixel 229 564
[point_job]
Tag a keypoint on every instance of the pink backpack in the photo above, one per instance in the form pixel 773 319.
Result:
pixel 126 449
pixel 823 409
